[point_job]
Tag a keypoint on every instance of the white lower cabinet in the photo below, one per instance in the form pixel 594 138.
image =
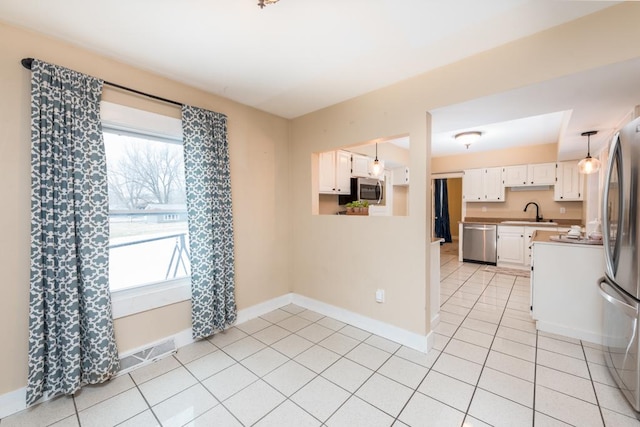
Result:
pixel 564 289
pixel 510 245
pixel 514 244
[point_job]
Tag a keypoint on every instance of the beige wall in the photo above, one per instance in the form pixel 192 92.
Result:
pixel 400 200
pixel 260 184
pixel 486 159
pixel 329 252
pixel 515 201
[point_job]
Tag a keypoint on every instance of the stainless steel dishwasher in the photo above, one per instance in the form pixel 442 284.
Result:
pixel 479 243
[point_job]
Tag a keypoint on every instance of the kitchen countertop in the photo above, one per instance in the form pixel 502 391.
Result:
pixel 559 222
pixel 540 236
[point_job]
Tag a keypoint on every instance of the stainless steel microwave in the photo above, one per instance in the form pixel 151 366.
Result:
pixel 371 190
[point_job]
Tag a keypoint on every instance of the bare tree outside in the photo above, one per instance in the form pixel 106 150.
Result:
pixel 146 172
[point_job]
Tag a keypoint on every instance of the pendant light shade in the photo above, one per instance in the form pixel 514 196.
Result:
pixel 589 164
pixel 376 164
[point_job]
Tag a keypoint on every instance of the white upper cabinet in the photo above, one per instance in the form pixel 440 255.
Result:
pixel 401 176
pixel 334 172
pixel 570 183
pixel 343 172
pixel 515 176
pixel 360 166
pixel 528 175
pixel 327 172
pixel 472 190
pixel 483 185
pixel 493 186
pixel 542 174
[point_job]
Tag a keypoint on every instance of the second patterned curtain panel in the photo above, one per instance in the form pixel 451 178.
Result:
pixel 210 217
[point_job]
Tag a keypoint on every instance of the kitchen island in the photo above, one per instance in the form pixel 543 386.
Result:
pixel 564 287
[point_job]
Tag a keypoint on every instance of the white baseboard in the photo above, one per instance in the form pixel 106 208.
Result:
pixel 12 402
pixel 435 320
pixel 579 334
pixel 263 308
pixel 385 330
pixel 15 401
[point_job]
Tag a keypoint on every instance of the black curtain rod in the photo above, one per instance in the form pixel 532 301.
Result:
pixel 26 63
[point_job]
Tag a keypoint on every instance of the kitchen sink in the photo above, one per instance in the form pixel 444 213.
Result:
pixel 529 223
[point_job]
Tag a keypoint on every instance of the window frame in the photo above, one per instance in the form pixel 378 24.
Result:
pixel 120 119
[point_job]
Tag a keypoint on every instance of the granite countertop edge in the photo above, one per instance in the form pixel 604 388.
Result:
pixel 545 223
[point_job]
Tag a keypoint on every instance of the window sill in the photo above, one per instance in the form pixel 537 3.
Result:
pixel 126 302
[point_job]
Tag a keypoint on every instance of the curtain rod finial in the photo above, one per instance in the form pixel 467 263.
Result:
pixel 26 63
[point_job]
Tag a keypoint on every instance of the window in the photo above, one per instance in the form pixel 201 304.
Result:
pixel 147 210
pixel 149 241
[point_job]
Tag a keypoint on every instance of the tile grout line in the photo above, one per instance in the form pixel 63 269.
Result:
pixel 333 332
pixel 203 386
pixel 593 386
pixel 487 357
pixel 442 351
pixel 75 408
pixel 136 385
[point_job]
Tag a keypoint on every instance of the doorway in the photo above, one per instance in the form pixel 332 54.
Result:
pixel 455 209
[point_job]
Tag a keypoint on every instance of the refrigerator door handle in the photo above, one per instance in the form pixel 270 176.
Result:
pixel 629 310
pixel 610 264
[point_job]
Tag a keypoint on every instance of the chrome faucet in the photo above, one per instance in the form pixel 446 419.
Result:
pixel 538 216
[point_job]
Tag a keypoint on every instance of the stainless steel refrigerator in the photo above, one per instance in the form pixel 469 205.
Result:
pixel 620 286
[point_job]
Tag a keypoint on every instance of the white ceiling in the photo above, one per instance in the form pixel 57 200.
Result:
pixel 297 56
pixel 556 110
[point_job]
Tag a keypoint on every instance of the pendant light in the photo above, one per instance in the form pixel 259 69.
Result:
pixel 376 163
pixel 589 164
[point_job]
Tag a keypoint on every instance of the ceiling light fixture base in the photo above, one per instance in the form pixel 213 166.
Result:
pixel 263 3
pixel 468 138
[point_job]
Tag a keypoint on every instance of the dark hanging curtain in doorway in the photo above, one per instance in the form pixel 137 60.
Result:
pixel 443 228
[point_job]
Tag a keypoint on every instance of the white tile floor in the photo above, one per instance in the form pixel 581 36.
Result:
pixel 294 367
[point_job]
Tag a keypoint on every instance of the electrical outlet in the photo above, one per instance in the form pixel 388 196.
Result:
pixel 380 295
pixel 563 210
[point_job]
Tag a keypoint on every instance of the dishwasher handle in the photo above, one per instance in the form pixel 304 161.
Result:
pixel 480 227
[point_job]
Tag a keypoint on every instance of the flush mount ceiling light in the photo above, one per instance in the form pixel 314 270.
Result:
pixel 468 138
pixel 263 3
pixel 376 163
pixel 589 164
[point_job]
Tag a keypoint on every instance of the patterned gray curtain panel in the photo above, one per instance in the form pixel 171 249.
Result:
pixel 71 339
pixel 208 185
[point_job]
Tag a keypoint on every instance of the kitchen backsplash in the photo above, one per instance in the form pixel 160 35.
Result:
pixel 515 202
